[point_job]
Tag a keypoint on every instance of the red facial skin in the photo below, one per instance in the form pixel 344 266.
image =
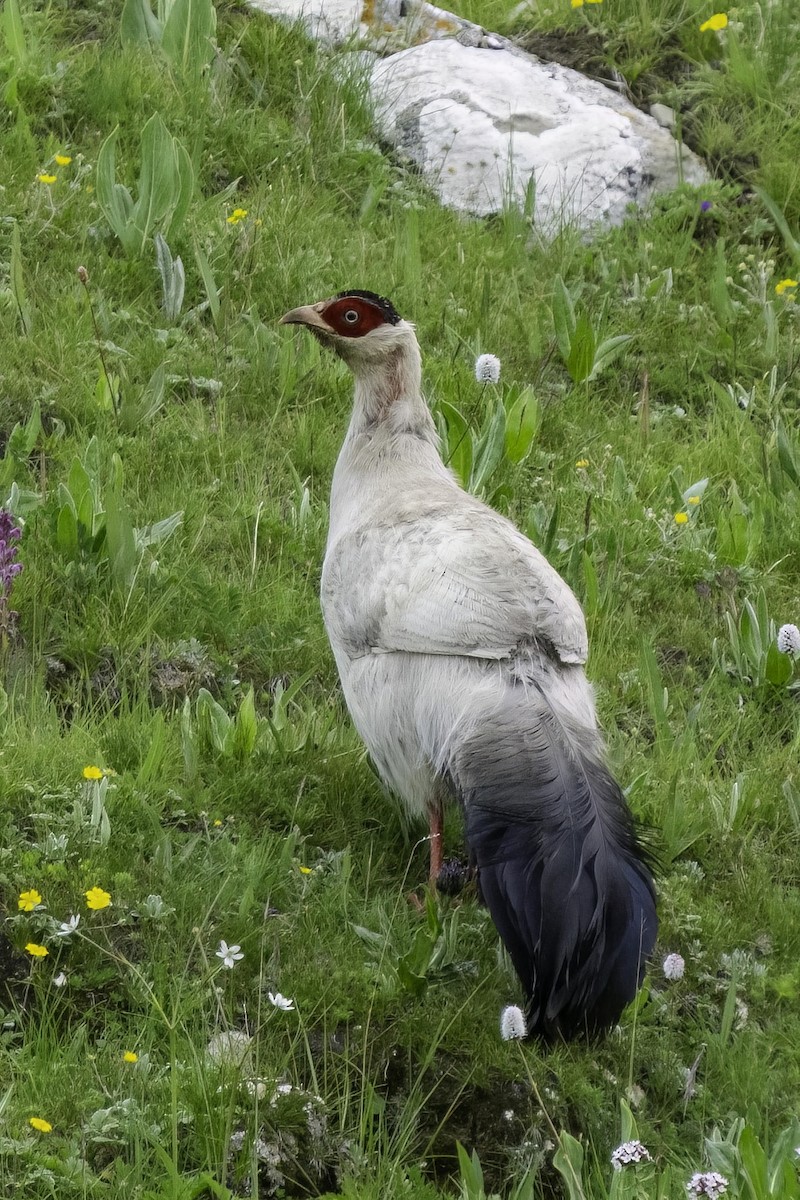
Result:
pixel 368 316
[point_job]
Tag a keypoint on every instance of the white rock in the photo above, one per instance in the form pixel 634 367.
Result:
pixel 480 125
pixel 481 119
pixel 331 21
pixel 664 115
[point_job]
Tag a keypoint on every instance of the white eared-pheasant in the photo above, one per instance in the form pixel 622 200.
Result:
pixel 461 652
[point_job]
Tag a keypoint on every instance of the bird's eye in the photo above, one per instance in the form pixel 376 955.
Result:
pixel 351 316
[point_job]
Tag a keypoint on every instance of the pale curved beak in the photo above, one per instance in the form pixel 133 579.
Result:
pixel 307 314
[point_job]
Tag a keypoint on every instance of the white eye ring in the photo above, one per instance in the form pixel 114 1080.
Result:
pixel 351 316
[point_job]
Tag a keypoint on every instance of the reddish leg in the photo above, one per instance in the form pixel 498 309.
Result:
pixel 436 822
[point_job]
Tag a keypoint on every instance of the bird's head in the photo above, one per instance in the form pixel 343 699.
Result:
pixel 361 327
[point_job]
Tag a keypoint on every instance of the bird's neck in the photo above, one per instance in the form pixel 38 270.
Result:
pixel 388 394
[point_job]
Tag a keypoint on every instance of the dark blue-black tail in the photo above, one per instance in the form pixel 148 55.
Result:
pixel 559 866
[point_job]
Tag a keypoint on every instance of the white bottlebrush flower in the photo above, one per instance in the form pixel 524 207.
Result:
pixel 789 639
pixel 630 1153
pixel 59 980
pixel 487 368
pixel 230 955
pixel 512 1023
pixel 707 1183
pixel 673 967
pixel 67 928
pixel 281 1002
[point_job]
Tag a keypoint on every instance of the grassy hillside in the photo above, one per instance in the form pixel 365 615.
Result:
pixel 173 741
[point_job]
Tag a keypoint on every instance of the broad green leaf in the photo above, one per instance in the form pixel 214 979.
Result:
pixel 159 184
pixel 581 358
pixel 563 318
pixel 13 33
pixel 719 291
pixel 778 668
pixel 159 531
pixel 459 442
pixel 121 544
pixel 188 33
pixel 568 1161
pixel 214 721
pixel 607 351
pixel 67 532
pixel 186 183
pixel 489 450
pixel 788 455
pixel 114 199
pixel 246 726
pixel 733 541
pixel 138 24
pixel 522 424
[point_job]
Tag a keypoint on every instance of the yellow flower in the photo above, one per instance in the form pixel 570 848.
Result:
pixel 681 518
pixel 92 773
pixel 46 178
pixel 306 870
pixel 36 951
pixel 718 21
pixel 577 3
pixel 581 464
pixel 217 823
pixel 63 160
pixel 237 215
pixel 693 500
pixel 29 900
pixel 130 1057
pixel 40 1124
pixel 96 898
pixel 785 285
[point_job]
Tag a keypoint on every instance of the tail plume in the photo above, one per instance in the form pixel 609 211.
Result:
pixel 559 865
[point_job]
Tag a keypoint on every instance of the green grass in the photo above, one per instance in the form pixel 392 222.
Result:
pixel 111 652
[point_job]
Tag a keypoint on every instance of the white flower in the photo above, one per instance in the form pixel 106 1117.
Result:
pixel 630 1152
pixel 487 368
pixel 707 1183
pixel 67 928
pixel 230 955
pixel 281 1002
pixel 789 639
pixel 59 980
pixel 673 967
pixel 512 1023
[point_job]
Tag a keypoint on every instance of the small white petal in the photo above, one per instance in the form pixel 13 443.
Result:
pixel 789 639
pixel 59 980
pixel 281 1002
pixel 230 955
pixel 512 1023
pixel 487 368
